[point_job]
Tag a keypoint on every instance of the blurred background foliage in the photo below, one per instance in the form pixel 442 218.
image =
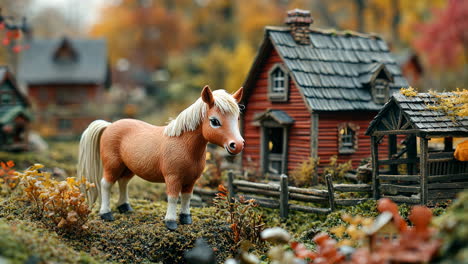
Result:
pixel 171 48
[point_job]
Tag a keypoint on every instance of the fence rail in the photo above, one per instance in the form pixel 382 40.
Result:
pixel 289 198
pixel 279 195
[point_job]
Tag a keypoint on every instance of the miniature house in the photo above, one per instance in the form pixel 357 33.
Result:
pixel 427 176
pixel 384 230
pixel 64 76
pixel 14 114
pixel 312 92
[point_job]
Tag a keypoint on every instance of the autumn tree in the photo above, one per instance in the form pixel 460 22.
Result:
pixel 444 39
pixel 142 32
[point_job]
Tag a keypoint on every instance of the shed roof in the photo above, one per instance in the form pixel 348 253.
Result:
pixel 11 113
pixel 39 64
pixel 334 71
pixel 424 120
pixel 6 110
pixel 6 74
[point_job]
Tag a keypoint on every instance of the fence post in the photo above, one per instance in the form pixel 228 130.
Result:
pixel 231 193
pixel 284 197
pixel 331 192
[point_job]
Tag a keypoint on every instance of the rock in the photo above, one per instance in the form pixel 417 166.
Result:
pixel 202 253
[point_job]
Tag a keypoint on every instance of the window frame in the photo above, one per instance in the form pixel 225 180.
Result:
pixel 278 96
pixel 384 86
pixel 64 124
pixel 11 97
pixel 344 147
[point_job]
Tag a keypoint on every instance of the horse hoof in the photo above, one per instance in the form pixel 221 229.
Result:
pixel 185 219
pixel 107 216
pixel 171 225
pixel 125 208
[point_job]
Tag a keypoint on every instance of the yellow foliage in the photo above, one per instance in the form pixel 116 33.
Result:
pixel 60 201
pixel 354 230
pixel 239 65
pixel 452 104
pixel 303 174
pixel 335 169
pixel 409 92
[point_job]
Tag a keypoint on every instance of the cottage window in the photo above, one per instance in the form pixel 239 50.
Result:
pixel 64 124
pixel 278 81
pixel 347 138
pixel 380 91
pixel 6 99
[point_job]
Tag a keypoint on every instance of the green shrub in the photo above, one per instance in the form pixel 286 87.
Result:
pixel 303 174
pixel 336 169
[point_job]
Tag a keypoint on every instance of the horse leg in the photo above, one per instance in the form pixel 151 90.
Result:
pixel 185 218
pixel 123 205
pixel 106 185
pixel 173 188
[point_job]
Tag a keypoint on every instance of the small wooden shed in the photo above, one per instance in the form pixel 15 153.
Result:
pixel 415 174
pixel 15 116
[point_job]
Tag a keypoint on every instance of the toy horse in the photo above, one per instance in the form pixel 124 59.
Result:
pixel 174 154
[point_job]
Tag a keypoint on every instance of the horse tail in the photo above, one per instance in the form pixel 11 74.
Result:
pixel 89 159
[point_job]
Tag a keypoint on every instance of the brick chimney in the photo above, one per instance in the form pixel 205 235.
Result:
pixel 299 22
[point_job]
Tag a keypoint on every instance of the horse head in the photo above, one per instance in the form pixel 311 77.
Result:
pixel 221 127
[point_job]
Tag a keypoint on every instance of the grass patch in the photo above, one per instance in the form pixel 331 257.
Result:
pixel 140 237
pixel 23 241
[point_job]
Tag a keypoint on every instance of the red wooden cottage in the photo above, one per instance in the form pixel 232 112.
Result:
pixel 64 77
pixel 312 92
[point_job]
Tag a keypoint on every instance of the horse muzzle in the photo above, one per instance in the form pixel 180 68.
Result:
pixel 234 148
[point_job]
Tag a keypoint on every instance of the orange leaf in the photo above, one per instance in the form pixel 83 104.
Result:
pixel 10 164
pixel 221 188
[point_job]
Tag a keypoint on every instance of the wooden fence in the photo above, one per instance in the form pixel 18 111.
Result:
pixel 288 198
pixel 446 178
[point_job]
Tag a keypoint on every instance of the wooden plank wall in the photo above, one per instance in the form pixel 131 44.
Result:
pixel 257 102
pixel 328 136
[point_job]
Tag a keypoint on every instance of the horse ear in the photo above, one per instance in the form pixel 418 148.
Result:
pixel 238 94
pixel 207 96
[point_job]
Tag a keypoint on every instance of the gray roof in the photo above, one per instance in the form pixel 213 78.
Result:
pixel 421 118
pixel 279 116
pixel 9 111
pixel 37 64
pixel 334 71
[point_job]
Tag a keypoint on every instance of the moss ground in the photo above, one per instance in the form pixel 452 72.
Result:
pixel 140 237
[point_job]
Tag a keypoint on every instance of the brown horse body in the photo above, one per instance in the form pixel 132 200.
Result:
pixel 130 147
pixel 174 154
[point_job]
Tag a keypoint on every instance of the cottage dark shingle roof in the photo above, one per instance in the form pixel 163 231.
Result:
pixel 333 71
pixel 37 65
pixel 415 109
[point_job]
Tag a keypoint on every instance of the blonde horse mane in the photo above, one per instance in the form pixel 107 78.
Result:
pixel 190 118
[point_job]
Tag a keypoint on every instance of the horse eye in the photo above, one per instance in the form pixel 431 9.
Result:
pixel 215 122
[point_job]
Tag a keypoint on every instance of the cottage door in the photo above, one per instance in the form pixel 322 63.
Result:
pixel 274 149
